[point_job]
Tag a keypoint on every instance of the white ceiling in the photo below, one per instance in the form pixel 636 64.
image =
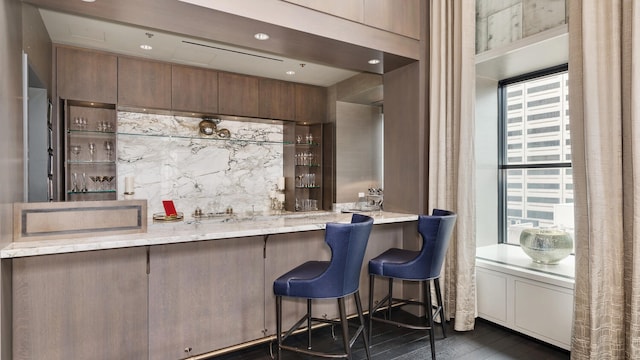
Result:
pixel 126 39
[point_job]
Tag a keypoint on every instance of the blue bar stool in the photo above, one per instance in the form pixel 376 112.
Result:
pixel 423 266
pixel 334 279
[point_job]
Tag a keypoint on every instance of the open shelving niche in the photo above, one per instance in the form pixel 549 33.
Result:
pixel 303 167
pixel 87 176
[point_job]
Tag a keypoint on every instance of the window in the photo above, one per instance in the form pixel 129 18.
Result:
pixel 536 185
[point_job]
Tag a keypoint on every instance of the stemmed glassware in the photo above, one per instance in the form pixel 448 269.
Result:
pixel 75 150
pixel 74 183
pixel 96 181
pixel 108 147
pixel 92 150
pixel 108 179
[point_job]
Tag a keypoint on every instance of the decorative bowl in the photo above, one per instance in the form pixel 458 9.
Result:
pixel 546 246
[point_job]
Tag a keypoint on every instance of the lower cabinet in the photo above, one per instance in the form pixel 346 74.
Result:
pixel 90 305
pixel 169 301
pixel 538 308
pixel 205 296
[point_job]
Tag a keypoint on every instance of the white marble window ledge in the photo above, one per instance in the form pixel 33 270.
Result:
pixel 512 259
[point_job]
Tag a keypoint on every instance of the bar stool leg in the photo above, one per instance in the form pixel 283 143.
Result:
pixel 429 314
pixel 309 324
pixel 279 325
pixel 436 283
pixel 370 325
pixel 390 298
pixel 345 327
pixel 362 324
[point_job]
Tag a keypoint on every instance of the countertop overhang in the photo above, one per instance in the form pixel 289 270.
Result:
pixel 197 230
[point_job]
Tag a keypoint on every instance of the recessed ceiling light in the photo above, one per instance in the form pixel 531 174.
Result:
pixel 89 0
pixel 291 72
pixel 374 61
pixel 146 47
pixel 261 36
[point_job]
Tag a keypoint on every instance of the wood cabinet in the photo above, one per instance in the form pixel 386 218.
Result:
pixel 168 301
pixel 311 103
pixel 541 308
pixel 90 305
pixel 194 89
pixel 277 99
pixel 205 296
pixel 352 10
pixel 397 16
pixel 238 94
pixel 86 75
pixel 144 83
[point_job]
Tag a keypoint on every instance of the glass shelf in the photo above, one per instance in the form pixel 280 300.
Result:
pixel 309 166
pixel 87 162
pixel 308 187
pixel 91 192
pixel 232 140
pixel 314 144
pixel 90 132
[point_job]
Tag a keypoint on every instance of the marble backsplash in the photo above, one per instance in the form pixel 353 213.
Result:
pixel 169 160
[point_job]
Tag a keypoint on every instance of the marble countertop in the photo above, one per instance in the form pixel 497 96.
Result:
pixel 193 230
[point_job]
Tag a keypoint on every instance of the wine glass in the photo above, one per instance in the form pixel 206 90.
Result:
pixel 84 183
pixel 76 149
pixel 109 179
pixel 108 147
pixel 92 150
pixel 95 182
pixel 75 188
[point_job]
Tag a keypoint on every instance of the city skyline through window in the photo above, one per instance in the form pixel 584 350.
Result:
pixel 536 173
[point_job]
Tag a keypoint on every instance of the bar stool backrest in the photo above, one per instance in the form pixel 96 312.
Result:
pixel 348 243
pixel 435 231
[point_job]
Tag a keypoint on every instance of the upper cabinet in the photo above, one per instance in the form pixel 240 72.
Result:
pixel 194 89
pixel 238 94
pixel 351 10
pixel 86 75
pixel 135 83
pixel 311 103
pixel 144 83
pixel 397 16
pixel 277 99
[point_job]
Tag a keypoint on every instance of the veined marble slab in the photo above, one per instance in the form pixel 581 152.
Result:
pixel 192 230
pixel 170 161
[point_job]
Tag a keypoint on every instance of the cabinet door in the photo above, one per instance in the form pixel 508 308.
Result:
pixel 86 75
pixel 277 99
pixel 205 296
pixel 144 84
pixel 194 89
pixel 397 16
pixel 89 305
pixel 311 104
pixel 238 94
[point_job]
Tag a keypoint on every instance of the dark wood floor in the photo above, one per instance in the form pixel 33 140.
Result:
pixel 486 342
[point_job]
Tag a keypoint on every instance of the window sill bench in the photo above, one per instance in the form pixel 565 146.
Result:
pixel 531 298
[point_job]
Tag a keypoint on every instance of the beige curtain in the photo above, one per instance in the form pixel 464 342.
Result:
pixel 451 147
pixel 604 83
